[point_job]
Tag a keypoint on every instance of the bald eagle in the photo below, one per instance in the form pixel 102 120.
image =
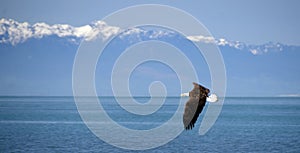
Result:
pixel 194 106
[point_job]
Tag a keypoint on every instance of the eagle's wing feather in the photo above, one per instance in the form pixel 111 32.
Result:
pixel 193 108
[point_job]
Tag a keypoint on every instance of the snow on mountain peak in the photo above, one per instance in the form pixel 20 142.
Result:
pixel 13 32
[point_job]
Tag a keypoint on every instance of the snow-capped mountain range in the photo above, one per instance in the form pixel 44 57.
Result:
pixel 34 54
pixel 14 32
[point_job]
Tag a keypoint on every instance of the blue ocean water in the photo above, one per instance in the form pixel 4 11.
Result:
pixel 53 124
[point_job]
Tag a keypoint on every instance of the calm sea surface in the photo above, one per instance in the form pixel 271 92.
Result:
pixel 53 124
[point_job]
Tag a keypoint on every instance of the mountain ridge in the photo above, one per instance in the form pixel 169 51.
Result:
pixel 14 33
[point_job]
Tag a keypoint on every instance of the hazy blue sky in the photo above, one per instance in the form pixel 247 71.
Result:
pixel 250 21
pixel 44 66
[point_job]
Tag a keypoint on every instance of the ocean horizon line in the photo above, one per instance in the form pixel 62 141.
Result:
pixel 138 96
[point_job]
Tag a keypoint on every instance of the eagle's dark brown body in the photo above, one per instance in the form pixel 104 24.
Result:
pixel 194 105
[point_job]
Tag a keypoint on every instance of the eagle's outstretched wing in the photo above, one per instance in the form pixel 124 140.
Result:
pixel 194 105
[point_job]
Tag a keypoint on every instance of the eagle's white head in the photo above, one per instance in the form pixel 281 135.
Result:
pixel 212 98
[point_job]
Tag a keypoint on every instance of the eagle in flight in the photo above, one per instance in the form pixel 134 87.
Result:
pixel 194 106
